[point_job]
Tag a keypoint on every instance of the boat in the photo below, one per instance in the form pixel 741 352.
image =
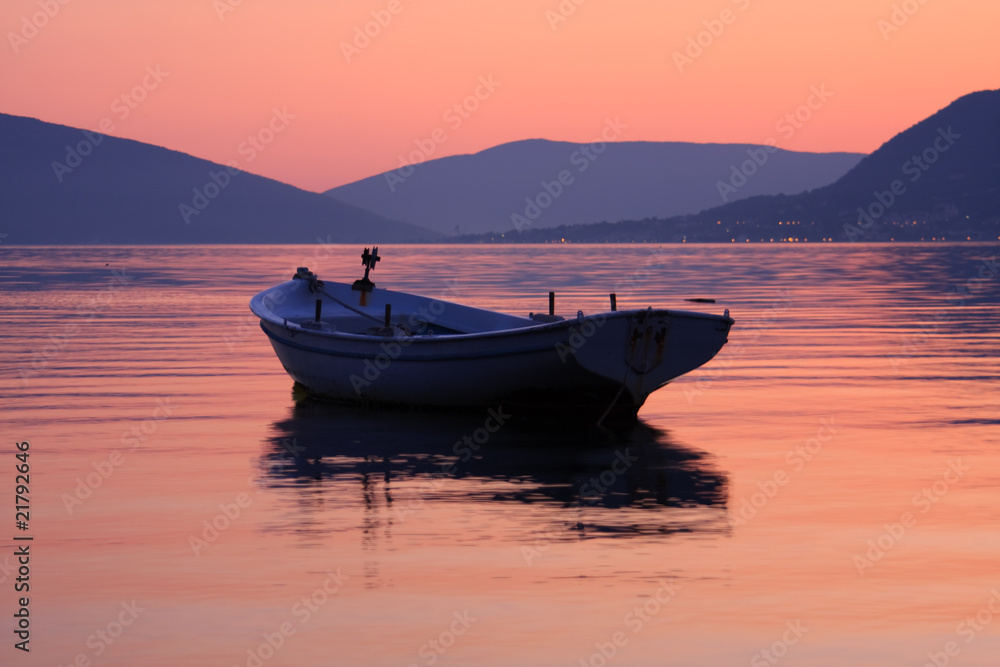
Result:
pixel 358 343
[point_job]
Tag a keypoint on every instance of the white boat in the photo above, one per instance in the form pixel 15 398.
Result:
pixel 360 343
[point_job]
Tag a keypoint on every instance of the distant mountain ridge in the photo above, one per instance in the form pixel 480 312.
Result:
pixel 938 179
pixel 538 183
pixel 64 185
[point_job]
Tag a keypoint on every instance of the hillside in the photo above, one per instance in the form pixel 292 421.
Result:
pixel 539 184
pixel 62 185
pixel 937 179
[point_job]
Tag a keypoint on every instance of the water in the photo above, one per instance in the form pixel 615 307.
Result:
pixel 825 490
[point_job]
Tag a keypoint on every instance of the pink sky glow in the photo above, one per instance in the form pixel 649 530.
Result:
pixel 357 86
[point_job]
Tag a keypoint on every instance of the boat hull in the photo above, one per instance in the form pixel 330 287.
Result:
pixel 608 362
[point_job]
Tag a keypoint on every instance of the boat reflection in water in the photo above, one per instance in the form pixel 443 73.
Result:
pixel 578 481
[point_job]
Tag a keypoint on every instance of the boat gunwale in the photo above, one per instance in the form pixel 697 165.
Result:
pixel 420 339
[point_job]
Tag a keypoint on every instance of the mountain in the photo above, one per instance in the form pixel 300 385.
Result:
pixel 63 185
pixel 538 183
pixel 939 179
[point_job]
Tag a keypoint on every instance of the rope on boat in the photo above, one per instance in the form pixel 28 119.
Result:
pixel 316 285
pixel 617 396
pixel 631 358
pixel 349 306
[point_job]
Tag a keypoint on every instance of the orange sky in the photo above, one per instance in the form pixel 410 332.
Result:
pixel 227 65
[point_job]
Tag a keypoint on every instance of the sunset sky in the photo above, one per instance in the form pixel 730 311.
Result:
pixel 337 105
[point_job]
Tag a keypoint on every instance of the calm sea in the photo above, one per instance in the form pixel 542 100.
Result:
pixel 825 492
